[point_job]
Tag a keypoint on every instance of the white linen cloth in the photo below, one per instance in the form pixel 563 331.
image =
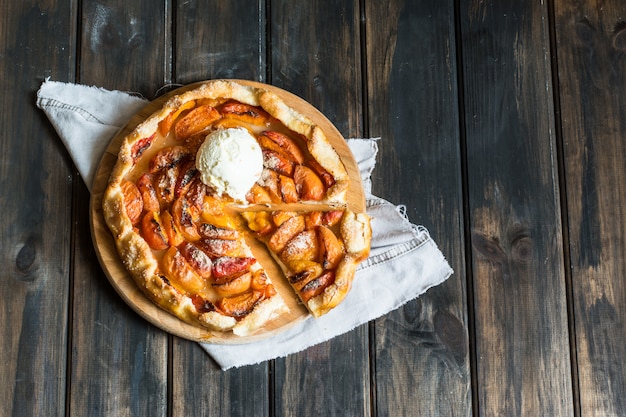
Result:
pixel 404 261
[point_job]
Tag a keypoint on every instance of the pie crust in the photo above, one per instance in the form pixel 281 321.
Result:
pixel 142 261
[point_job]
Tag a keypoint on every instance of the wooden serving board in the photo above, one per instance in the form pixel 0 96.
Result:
pixel 125 285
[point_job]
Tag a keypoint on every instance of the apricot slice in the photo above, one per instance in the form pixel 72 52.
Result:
pixel 188 173
pixel 174 237
pixel 178 270
pixel 331 218
pixel 287 231
pixel 236 286
pixel 303 272
pixel 308 184
pixel 201 304
pixel 220 247
pixel 167 157
pixel 281 216
pixel 285 144
pixel 133 203
pixel 245 113
pixel 258 195
pixel 324 175
pixel 239 305
pixel 229 123
pixel 185 215
pixel 140 147
pixel 304 246
pixel 259 280
pixel 269 144
pixel 196 193
pixel 270 182
pixel 331 249
pixel 317 286
pixel 313 219
pixel 288 190
pixel 196 121
pixel 258 222
pixel 278 162
pixel 214 232
pixel 166 124
pixel 226 267
pixel 148 193
pixel 165 183
pixel 152 231
pixel 213 213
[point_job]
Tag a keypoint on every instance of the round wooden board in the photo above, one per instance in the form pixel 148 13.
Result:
pixel 126 286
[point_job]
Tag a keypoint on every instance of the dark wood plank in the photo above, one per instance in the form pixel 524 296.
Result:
pixel 316 55
pixel 422 350
pixel 200 388
pixel 119 361
pixel 218 40
pixel 126 45
pixel 591 42
pixel 522 345
pixel 324 67
pixel 35 191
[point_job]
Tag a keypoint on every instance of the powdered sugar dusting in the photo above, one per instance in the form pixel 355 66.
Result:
pixel 271 161
pixel 201 259
pixel 221 247
pixel 303 242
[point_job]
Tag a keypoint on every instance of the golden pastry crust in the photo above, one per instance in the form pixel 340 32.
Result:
pixel 143 262
pixel 356 233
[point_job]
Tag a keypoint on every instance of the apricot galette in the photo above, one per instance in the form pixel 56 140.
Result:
pixel 214 171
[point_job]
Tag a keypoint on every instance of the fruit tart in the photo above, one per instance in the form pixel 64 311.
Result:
pixel 220 172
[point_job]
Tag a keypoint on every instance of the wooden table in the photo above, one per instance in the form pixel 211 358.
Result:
pixel 503 128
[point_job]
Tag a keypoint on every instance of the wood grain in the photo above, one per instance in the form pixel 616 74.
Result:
pixel 119 362
pixel 220 40
pixel 591 42
pixel 523 360
pixel 126 45
pixel 201 388
pixel 477 142
pixel 323 66
pixel 35 251
pixel 422 349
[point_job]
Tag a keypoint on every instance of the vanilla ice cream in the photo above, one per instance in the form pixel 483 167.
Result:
pixel 230 161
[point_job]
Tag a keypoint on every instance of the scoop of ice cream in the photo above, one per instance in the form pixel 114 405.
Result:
pixel 230 161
